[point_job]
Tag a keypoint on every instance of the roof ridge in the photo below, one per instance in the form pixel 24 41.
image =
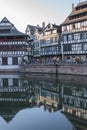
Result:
pixel 81 3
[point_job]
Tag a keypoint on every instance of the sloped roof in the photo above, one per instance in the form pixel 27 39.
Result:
pixel 82 3
pixel 67 21
pixel 76 12
pixel 32 29
pixel 51 27
pixel 8 29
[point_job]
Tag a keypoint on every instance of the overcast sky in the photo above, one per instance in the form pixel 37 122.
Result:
pixel 33 12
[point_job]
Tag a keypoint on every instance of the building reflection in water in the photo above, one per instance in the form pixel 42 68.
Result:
pixel 18 92
pixel 14 95
pixel 46 94
pixel 75 105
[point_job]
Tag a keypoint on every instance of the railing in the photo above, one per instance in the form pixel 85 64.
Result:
pixel 52 63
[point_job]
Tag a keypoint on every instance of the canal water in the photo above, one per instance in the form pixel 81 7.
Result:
pixel 43 102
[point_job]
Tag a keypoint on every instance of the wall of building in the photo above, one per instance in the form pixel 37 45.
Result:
pixel 77 69
pixel 8 68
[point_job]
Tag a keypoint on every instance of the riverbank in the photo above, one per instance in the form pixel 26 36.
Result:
pixel 71 69
pixel 75 80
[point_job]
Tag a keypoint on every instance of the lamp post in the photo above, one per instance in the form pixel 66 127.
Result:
pixel 62 51
pixel 55 60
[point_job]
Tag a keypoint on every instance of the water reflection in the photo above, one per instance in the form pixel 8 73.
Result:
pixel 65 96
pixel 75 105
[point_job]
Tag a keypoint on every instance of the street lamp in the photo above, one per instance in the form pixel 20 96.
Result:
pixel 62 51
pixel 56 60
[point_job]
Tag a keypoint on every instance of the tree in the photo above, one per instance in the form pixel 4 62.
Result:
pixel 56 60
pixel 78 59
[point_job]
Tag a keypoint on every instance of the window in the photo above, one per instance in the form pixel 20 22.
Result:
pixel 5 82
pixel 15 82
pixel 86 23
pixel 73 26
pixel 42 42
pixel 76 47
pixel 84 46
pixel 47 33
pixel 36 53
pixel 54 39
pixel 36 44
pixel 78 25
pixel 77 36
pixel 69 37
pixel 84 35
pixel 47 49
pixel 65 38
pixel 68 28
pixel 82 24
pixel 5 31
pixel 64 28
pixel 53 49
pixel 4 61
pixel 15 61
pixel 48 41
pixel 54 31
pixel 68 57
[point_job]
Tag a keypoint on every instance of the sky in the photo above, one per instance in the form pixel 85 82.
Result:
pixel 34 12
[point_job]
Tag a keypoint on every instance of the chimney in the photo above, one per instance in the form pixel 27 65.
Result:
pixel 73 6
pixel 43 24
pixel 37 25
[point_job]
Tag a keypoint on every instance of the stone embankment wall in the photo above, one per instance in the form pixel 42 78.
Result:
pixel 76 69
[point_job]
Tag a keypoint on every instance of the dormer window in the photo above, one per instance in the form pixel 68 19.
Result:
pixel 48 32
